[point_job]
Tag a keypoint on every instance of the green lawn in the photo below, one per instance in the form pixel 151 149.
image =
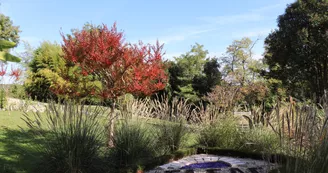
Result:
pixel 16 146
pixel 11 120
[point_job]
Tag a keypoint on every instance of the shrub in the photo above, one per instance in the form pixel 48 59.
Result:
pixel 316 161
pixel 260 139
pixel 74 139
pixel 2 98
pixel 134 144
pixel 171 135
pixel 224 134
pixel 17 91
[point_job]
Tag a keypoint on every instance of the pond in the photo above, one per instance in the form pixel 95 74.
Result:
pixel 207 165
pixel 213 163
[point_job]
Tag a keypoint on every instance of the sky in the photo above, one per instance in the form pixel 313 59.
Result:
pixel 178 24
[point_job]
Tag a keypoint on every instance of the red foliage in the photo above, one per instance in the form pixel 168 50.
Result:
pixel 122 67
pixel 15 73
pixel 3 70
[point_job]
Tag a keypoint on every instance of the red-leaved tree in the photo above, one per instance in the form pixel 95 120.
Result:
pixel 121 67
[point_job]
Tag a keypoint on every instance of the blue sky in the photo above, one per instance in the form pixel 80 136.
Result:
pixel 177 23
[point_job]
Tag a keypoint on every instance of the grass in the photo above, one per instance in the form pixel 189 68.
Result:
pixel 73 138
pixel 16 153
pixel 11 120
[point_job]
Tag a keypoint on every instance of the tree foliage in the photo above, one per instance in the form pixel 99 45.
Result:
pixel 51 77
pixel 240 67
pixel 210 77
pixel 243 82
pixel 193 74
pixel 121 67
pixel 296 52
pixel 9 38
pixel 8 31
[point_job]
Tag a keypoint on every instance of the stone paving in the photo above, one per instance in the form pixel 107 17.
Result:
pixel 237 165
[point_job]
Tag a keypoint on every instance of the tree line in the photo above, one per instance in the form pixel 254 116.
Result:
pixel 295 63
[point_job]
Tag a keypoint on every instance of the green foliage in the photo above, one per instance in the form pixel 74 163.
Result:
pixel 296 52
pixel 193 75
pixel 7 30
pixel 204 83
pixel 9 38
pixel 240 67
pixel 260 140
pixel 316 162
pixel 50 77
pixel 5 56
pixel 3 99
pixel 73 140
pixel 171 135
pixel 174 82
pixel 223 134
pixel 134 144
pixel 191 64
pixel 4 44
pixel 42 71
pixel 17 91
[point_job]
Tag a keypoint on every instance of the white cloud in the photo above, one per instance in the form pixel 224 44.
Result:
pixel 233 19
pixel 183 35
pixel 259 33
pixel 173 37
pixel 170 56
pixel 212 23
pixel 268 8
pixel 253 15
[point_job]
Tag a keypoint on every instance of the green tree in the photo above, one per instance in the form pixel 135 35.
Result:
pixel 9 38
pixel 186 68
pixel 8 31
pixel 174 72
pixel 296 52
pixel 46 59
pixel 193 75
pixel 192 65
pixel 211 76
pixel 238 60
pixel 51 77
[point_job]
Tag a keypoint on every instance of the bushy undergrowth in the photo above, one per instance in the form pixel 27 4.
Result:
pixel 261 140
pixel 226 134
pixel 171 135
pixel 73 138
pixel 223 133
pixel 135 142
pixel 305 138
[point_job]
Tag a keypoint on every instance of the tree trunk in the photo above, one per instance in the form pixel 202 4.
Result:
pixel 325 77
pixel 111 124
pixel 244 73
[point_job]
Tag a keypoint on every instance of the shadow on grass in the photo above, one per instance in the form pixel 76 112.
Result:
pixel 18 151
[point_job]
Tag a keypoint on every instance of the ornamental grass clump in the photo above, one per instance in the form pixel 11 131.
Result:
pixel 135 143
pixel 72 137
pixel 224 133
